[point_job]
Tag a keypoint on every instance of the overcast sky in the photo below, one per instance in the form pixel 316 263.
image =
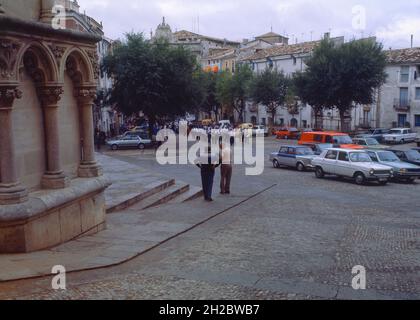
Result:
pixel 391 21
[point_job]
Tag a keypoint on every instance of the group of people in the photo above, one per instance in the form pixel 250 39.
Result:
pixel 208 165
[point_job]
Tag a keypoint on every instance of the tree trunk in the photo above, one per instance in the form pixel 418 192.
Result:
pixel 343 123
pixel 318 118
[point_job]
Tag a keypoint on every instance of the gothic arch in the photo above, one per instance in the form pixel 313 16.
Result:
pixel 80 65
pixel 40 63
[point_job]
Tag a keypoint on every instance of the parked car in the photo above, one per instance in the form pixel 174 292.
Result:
pixel 400 135
pixel 223 123
pixel 299 157
pixel 377 134
pixel 288 133
pixel 369 143
pixel 319 148
pixel 129 142
pixel 410 156
pixel 142 134
pixel 246 126
pixel 355 164
pixel 260 130
pixel 339 140
pixel 401 170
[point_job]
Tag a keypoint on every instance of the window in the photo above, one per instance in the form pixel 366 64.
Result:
pixel 343 156
pixel 283 150
pixel 373 156
pixel 417 120
pixel 417 94
pixel 405 74
pixel 331 155
pixel 318 138
pixel 292 151
pixel 362 143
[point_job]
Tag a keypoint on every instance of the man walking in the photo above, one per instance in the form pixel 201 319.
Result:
pixel 226 169
pixel 208 165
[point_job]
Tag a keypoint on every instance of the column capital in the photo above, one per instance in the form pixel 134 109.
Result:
pixel 86 94
pixel 8 94
pixel 50 95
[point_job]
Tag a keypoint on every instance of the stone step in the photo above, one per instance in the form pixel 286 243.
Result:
pixel 152 190
pixel 192 194
pixel 159 198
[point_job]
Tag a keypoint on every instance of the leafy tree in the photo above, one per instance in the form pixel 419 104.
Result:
pixel 155 78
pixel 342 76
pixel 233 90
pixel 224 92
pixel 270 88
pixel 207 91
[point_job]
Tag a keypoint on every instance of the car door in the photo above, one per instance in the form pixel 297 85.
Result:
pixel 291 158
pixel 283 156
pixel 134 142
pixel 330 161
pixel 343 167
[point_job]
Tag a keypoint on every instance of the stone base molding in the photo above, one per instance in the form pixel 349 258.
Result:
pixel 55 181
pixel 13 194
pixel 50 218
pixel 90 170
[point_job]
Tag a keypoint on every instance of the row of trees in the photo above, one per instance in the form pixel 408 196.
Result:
pixel 166 81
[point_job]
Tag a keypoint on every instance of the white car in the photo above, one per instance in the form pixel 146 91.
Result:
pixel 260 130
pixel 400 135
pixel 355 164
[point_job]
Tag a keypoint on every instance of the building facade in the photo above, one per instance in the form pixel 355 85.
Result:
pixel 399 98
pixel 51 187
pixel 291 59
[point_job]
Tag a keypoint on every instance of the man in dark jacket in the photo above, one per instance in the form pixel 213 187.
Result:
pixel 208 165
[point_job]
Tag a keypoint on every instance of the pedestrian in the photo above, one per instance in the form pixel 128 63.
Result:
pixel 208 165
pixel 226 169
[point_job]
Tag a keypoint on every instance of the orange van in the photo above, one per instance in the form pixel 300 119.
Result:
pixel 338 139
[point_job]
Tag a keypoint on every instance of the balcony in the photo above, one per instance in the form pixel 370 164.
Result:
pixel 402 105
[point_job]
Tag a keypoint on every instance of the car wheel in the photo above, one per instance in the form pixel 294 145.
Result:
pixel 300 167
pixel 402 141
pixel 276 164
pixel 114 147
pixel 319 173
pixel 359 178
pixel 141 146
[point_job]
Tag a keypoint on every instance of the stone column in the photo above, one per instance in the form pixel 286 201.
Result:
pixel 54 177
pixel 88 167
pixel 11 192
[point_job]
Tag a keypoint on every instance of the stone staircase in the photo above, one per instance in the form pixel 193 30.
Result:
pixel 134 189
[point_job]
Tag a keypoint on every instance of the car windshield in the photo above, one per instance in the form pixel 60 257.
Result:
pixel 360 157
pixel 395 132
pixel 388 157
pixel 372 142
pixel 304 152
pixel 342 140
pixel 414 155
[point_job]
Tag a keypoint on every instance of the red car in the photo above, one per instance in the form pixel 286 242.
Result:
pixel 288 133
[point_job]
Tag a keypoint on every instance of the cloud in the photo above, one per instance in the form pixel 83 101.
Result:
pixel 238 19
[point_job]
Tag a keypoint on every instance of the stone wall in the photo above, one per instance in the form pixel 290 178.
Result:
pixel 69 119
pixel 28 130
pixel 23 9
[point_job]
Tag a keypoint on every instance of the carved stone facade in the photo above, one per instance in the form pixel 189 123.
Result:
pixel 44 74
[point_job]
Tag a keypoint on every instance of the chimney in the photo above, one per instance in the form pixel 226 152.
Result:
pixel 327 36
